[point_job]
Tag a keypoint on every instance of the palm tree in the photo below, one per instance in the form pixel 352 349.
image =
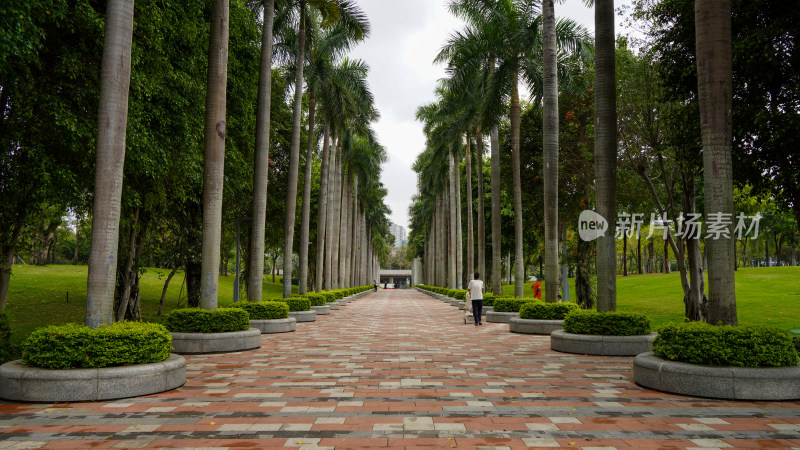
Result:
pixel 550 150
pixel 112 117
pixel 214 153
pixel 605 144
pixel 714 85
pixel 260 171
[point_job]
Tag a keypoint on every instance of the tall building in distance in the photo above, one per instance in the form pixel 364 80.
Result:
pixel 399 233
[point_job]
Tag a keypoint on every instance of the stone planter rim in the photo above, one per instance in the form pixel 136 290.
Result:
pixel 226 342
pixel 600 345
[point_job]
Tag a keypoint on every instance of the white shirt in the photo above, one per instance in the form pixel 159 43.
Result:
pixel 475 288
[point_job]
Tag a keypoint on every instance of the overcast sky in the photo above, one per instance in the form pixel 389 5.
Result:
pixel 406 36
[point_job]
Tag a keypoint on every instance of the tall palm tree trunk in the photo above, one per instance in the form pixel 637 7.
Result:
pixel 112 120
pixel 470 230
pixel 261 169
pixel 344 260
pixel 714 86
pixel 605 144
pixel 337 216
pixel 481 211
pixel 550 147
pixel 322 218
pixel 519 268
pixel 353 266
pixel 294 158
pixel 330 212
pixel 441 238
pixel 452 254
pixel 497 268
pixel 459 231
pixel 305 216
pixel 214 153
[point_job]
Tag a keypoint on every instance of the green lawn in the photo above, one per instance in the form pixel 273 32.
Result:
pixel 767 295
pixel 38 295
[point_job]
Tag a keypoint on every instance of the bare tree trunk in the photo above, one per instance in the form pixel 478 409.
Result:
pixel 255 268
pixel 441 240
pixel 305 216
pixel 451 248
pixel 625 254
pixel 127 272
pixel 322 216
pixel 77 244
pixel 337 216
pixel 330 211
pixel 519 269
pixel 459 231
pixel 481 211
pixel 344 233
pixel 470 229
pixel 294 157
pixel 605 139
pixel 213 175
pixel 164 291
pixel 497 270
pixel 112 119
pixel 550 146
pixel 639 251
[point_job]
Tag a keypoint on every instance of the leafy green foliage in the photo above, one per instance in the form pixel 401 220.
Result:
pixel 316 299
pixel 546 311
pixel 295 304
pixel 740 346
pixel 264 310
pixel 606 323
pixel 195 320
pixel 77 346
pixel 510 304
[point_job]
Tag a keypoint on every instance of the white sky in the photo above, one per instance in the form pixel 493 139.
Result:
pixel 406 36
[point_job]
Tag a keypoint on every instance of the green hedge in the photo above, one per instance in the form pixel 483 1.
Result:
pixel 606 323
pixel 740 346
pixel 546 311
pixel 313 298
pixel 264 310
pixel 460 294
pixel 295 304
pixel 196 320
pixel 77 346
pixel 504 304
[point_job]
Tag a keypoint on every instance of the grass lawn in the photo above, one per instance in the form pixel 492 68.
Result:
pixel 38 295
pixel 766 295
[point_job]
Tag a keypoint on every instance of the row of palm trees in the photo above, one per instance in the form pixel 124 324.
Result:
pixel 506 42
pixel 313 38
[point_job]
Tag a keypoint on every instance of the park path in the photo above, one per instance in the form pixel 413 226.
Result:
pixel 399 369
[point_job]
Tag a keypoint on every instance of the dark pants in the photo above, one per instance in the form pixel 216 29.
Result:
pixel 477 309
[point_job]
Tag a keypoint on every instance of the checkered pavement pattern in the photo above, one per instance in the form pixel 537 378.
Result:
pixel 399 369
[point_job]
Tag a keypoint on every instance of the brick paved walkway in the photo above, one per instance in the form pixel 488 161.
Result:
pixel 399 369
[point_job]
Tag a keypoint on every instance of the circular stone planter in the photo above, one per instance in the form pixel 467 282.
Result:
pixel 231 341
pixel 591 344
pixel 303 316
pixel 20 382
pixel 500 317
pixel 534 326
pixel 332 305
pixel 731 383
pixel 275 325
pixel 321 310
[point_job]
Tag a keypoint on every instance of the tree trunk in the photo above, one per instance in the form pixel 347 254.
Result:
pixel 322 217
pixel 337 215
pixel 112 118
pixel 497 270
pixel 519 282
pixel 329 214
pixel 451 247
pixel 481 211
pixel 164 291
pixel 213 173
pixel 605 139
pixel 714 86
pixel 294 157
pixel 344 233
pixel 470 229
pixel 127 271
pixel 459 231
pixel 639 251
pixel 441 240
pixel 550 150
pixel 625 254
pixel 255 267
pixel 77 244
pixel 305 216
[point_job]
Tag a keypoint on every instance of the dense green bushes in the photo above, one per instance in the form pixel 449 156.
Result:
pixel 314 299
pixel 606 323
pixel 195 320
pixel 546 311
pixel 505 304
pixel 78 346
pixel 741 346
pixel 264 310
pixel 7 351
pixel 295 303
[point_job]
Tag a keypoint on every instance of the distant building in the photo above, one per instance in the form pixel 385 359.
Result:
pixel 399 233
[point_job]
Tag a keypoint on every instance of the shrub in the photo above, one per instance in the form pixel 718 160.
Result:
pixel 488 299
pixel 338 294
pixel 5 328
pixel 740 346
pixel 546 311
pixel 295 304
pixel 196 320
pixel 316 299
pixel 77 346
pixel 264 310
pixel 509 304
pixel 329 297
pixel 606 323
pixel 460 294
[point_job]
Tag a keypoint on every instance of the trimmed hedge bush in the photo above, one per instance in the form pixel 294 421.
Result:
pixel 74 346
pixel 196 320
pixel 504 304
pixel 329 297
pixel 606 323
pixel 313 298
pixel 740 346
pixel 264 310
pixel 295 304
pixel 460 294
pixel 546 311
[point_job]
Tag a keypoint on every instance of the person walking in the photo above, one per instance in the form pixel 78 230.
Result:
pixel 537 288
pixel 475 290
